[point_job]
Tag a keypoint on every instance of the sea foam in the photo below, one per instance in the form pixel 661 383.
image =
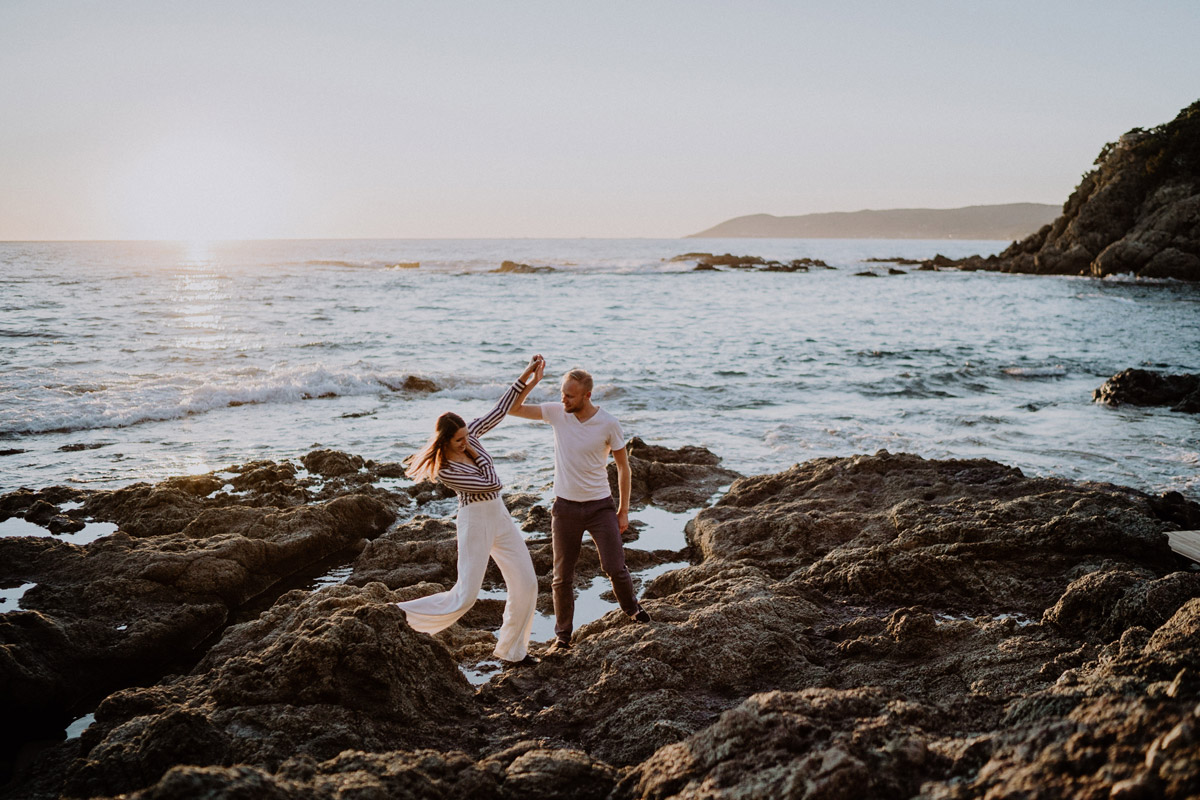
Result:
pixel 61 409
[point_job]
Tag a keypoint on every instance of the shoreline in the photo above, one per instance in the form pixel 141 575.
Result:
pixel 835 588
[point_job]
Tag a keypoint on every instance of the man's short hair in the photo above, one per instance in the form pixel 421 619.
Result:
pixel 582 377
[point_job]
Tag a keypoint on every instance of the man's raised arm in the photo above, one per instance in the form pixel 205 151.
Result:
pixel 536 368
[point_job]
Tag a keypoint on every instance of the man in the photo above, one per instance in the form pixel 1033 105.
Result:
pixel 584 435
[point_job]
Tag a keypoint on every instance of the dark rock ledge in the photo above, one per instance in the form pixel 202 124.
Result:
pixel 1139 387
pixel 517 268
pixel 191 553
pixel 870 627
pixel 713 263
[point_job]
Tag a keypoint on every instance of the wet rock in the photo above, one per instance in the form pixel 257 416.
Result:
pixel 16 502
pixel 966 535
pixel 894 260
pixel 120 608
pixel 422 385
pixel 386 469
pixel 624 689
pixel 1125 723
pixel 817 743
pixel 142 748
pixel 713 263
pixel 1141 387
pixel 78 446
pixel 876 626
pixel 1088 603
pixel 43 505
pixel 41 512
pixel 268 483
pixel 730 260
pixel 529 512
pixel 672 479
pixel 526 770
pixel 143 510
pixel 1178 510
pixel 428 491
pixel 423 550
pixel 332 463
pixel 314 676
pixel 61 523
pixel 532 769
pixel 517 268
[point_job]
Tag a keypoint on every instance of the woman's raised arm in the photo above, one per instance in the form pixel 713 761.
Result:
pixel 513 397
pixel 533 374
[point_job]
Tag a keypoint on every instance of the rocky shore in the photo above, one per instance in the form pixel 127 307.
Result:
pixel 868 627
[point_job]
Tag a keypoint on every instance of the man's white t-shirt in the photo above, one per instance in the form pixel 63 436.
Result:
pixel 581 452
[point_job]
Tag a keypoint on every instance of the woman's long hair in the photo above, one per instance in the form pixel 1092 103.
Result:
pixel 427 462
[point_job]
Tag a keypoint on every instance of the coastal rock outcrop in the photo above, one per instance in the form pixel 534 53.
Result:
pixel 517 268
pixel 876 626
pixel 312 677
pixel 711 263
pixel 1137 213
pixel 1140 387
pixel 124 607
pixel 674 479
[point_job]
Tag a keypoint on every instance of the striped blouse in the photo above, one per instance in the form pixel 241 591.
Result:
pixel 478 481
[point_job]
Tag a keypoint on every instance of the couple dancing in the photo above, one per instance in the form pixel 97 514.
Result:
pixel 583 437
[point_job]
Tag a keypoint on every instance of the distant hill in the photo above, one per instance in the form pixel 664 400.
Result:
pixel 1007 222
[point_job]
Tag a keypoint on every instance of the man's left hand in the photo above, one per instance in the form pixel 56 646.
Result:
pixel 622 520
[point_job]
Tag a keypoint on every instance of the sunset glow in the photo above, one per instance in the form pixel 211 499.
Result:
pixel 199 188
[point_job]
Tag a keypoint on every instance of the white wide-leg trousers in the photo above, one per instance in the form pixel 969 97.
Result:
pixel 485 529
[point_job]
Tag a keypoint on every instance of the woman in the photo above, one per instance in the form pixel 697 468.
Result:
pixel 455 457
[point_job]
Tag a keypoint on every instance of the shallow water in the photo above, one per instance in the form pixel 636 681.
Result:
pixel 126 362
pixel 15 526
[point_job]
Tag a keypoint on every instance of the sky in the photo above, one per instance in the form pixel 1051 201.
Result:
pixel 371 119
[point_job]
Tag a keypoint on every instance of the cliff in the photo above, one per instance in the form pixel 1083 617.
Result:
pixel 1137 212
pixel 973 222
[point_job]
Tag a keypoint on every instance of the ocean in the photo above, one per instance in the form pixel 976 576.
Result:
pixel 125 362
